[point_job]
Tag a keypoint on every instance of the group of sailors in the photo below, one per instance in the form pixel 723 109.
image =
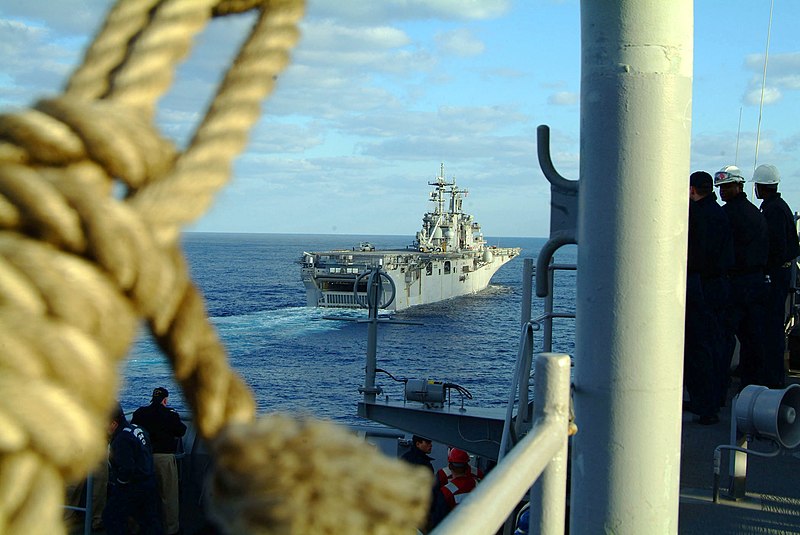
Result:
pixel 739 275
pixel 136 491
pixel 451 484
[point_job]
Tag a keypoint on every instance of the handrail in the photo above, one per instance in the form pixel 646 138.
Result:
pixel 526 346
pixel 556 241
pixel 88 507
pixel 543 452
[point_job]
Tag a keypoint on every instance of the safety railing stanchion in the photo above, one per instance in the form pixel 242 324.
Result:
pixel 551 402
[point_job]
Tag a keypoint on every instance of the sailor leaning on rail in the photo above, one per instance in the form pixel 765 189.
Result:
pixel 165 428
pixel 744 314
pixel 783 250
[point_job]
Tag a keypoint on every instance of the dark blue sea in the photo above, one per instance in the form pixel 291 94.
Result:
pixel 294 360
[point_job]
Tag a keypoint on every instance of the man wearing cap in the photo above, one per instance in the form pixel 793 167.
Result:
pixel 783 250
pixel 165 428
pixel 745 315
pixel 710 256
pixel 418 453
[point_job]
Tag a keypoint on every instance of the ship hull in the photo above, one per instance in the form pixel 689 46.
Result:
pixel 419 278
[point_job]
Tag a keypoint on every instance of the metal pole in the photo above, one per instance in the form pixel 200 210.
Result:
pixel 523 418
pixel 636 89
pixel 549 493
pixel 527 290
pixel 737 462
pixel 547 335
pixel 87 519
pixel 374 287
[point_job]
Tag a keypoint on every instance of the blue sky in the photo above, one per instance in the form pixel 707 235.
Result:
pixel 380 93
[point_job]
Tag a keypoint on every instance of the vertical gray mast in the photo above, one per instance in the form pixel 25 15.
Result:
pixel 636 89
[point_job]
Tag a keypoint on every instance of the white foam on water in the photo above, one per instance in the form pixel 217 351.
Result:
pixel 287 322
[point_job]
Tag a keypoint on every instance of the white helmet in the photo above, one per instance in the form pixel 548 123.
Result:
pixel 728 174
pixel 766 174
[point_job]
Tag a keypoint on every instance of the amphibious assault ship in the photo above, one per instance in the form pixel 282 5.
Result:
pixel 449 258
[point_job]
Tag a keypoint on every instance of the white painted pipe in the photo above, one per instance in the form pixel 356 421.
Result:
pixel 636 89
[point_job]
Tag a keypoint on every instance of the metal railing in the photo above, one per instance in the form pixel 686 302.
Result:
pixel 87 509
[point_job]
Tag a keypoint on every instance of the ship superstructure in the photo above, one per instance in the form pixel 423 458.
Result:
pixel 449 258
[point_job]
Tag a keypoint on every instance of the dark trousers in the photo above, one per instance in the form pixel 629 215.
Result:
pixel 138 501
pixel 716 292
pixel 745 321
pixel 700 354
pixel 772 373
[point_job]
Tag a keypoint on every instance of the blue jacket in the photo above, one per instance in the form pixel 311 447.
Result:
pixel 130 457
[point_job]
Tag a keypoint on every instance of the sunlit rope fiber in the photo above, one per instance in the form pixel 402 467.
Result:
pixel 92 202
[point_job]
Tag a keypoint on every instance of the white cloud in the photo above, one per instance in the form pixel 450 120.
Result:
pixel 73 17
pixel 362 11
pixel 563 98
pixel 783 74
pixel 327 35
pixel 771 95
pixel 459 42
pixel 24 80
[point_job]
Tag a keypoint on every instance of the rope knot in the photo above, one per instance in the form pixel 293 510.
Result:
pixel 296 476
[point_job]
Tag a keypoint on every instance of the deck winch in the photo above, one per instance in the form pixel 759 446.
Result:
pixel 426 391
pixel 431 392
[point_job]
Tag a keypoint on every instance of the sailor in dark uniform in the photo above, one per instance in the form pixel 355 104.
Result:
pixel 745 315
pixel 165 428
pixel 418 453
pixel 132 491
pixel 710 256
pixel 783 250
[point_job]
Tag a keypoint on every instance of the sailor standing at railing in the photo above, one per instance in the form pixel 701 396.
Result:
pixel 418 453
pixel 783 250
pixel 165 428
pixel 745 314
pixel 709 257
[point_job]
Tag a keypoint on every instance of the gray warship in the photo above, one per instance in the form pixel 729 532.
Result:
pixel 449 258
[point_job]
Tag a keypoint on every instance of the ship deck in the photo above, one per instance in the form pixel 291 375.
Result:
pixel 772 502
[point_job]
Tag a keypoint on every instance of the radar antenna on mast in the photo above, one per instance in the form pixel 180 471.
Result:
pixel 763 84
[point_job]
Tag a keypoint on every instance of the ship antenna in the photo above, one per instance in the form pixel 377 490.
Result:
pixel 738 132
pixel 763 83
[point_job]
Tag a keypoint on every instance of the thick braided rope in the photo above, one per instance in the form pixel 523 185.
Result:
pixel 81 267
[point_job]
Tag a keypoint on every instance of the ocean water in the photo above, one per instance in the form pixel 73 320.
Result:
pixel 294 360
